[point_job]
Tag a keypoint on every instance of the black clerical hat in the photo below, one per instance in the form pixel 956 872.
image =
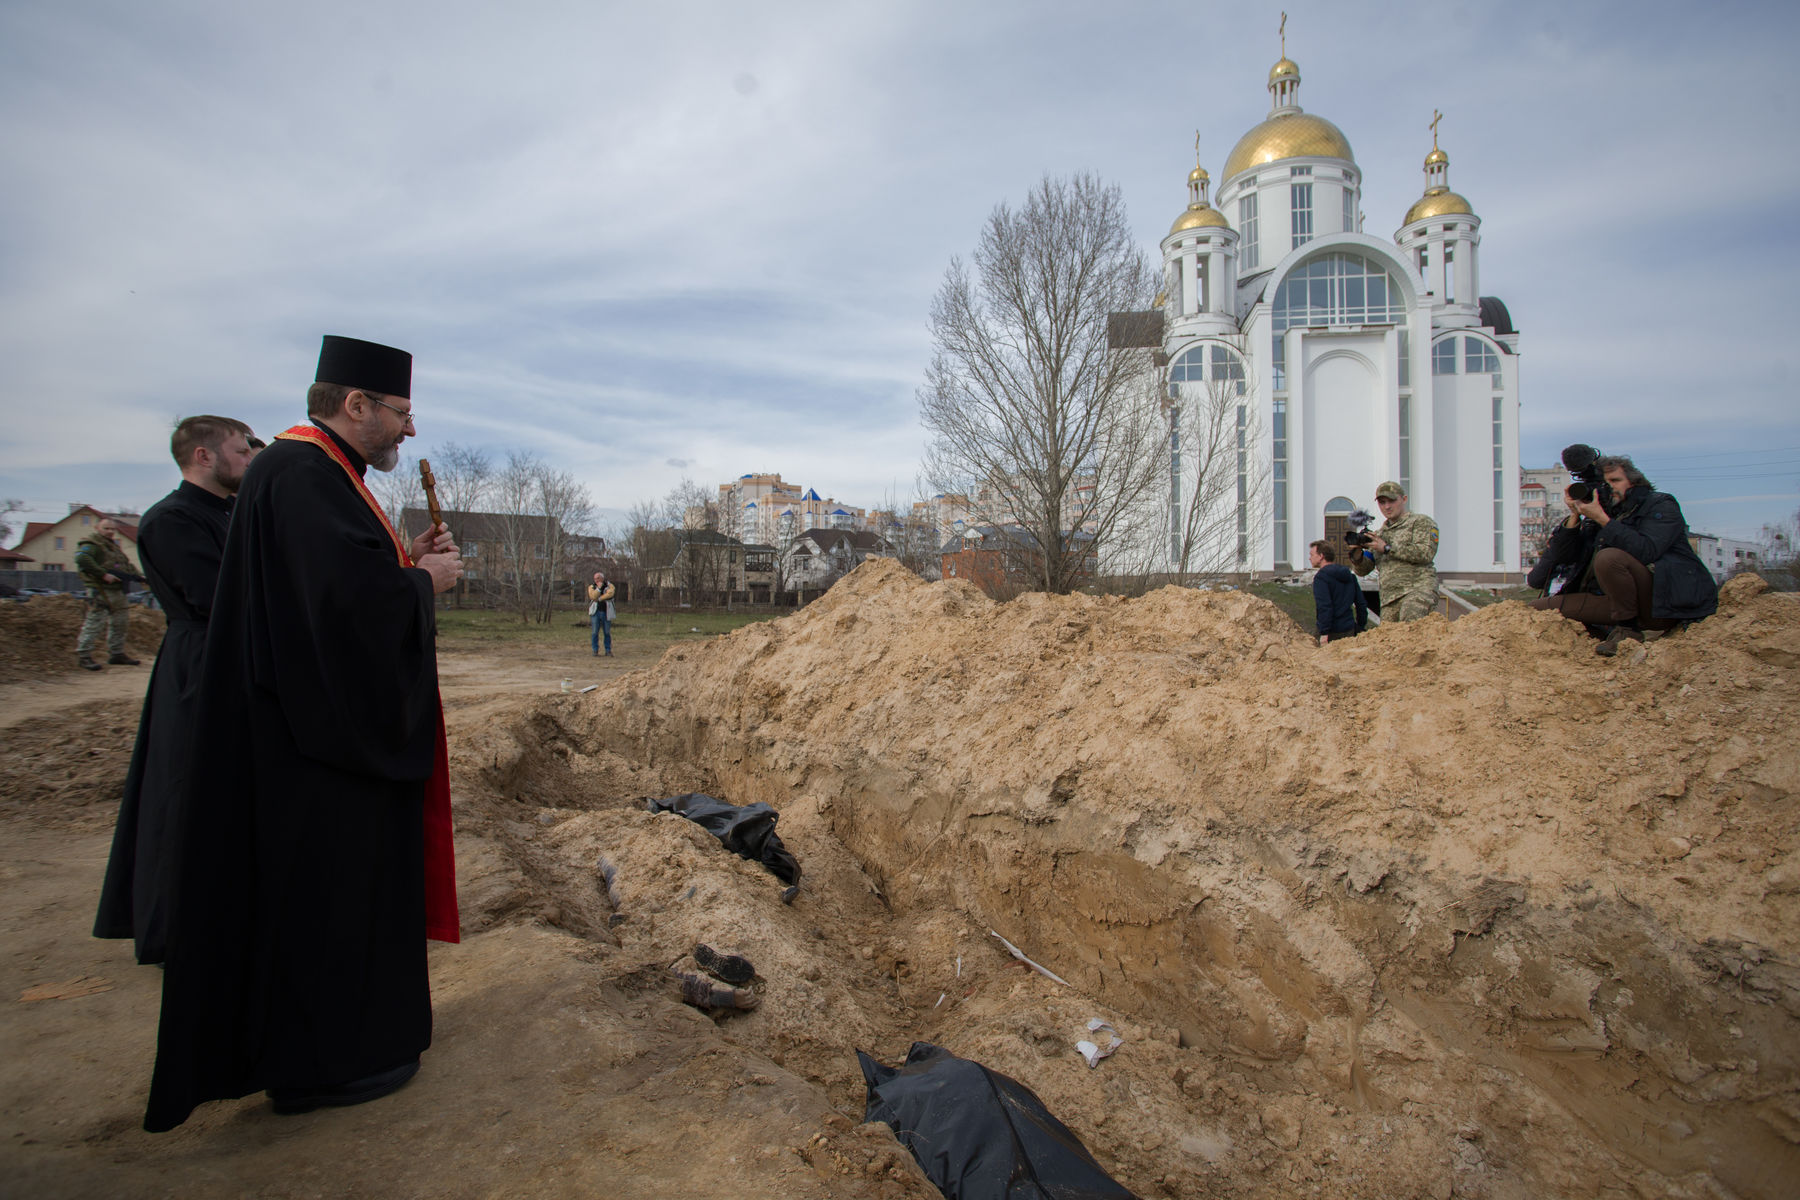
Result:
pixel 353 363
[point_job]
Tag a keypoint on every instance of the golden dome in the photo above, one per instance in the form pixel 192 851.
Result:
pixel 1198 174
pixel 1436 158
pixel 1292 135
pixel 1284 68
pixel 1199 216
pixel 1439 202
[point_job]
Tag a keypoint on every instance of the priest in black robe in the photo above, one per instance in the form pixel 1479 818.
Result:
pixel 313 847
pixel 179 544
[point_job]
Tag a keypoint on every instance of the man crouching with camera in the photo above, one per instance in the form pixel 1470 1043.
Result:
pixel 1644 578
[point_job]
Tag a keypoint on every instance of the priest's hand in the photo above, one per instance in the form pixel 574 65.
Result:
pixel 445 569
pixel 435 540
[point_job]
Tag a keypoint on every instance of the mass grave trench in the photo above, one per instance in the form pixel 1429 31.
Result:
pixel 1347 925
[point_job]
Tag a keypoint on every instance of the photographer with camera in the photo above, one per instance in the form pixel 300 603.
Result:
pixel 1405 548
pixel 1644 579
pixel 1564 566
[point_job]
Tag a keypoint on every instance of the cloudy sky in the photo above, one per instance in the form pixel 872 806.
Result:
pixel 695 240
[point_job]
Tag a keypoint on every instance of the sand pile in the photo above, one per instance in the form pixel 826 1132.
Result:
pixel 1448 909
pixel 37 637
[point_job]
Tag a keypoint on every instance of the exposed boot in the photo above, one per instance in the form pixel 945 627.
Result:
pixel 86 663
pixel 732 968
pixel 122 659
pixel 1618 637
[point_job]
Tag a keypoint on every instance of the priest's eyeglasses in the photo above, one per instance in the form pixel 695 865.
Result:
pixel 405 414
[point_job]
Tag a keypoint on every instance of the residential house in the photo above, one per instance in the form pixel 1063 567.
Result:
pixel 703 564
pixel 819 557
pixel 52 543
pixel 1002 560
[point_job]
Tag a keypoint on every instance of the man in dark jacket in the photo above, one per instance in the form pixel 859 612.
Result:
pixel 1337 596
pixel 1649 578
pixel 180 541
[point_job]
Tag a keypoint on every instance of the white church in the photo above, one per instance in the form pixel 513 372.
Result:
pixel 1353 359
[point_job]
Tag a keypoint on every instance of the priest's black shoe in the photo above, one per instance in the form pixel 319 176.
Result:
pixel 289 1101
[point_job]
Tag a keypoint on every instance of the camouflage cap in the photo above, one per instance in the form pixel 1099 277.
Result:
pixel 1390 491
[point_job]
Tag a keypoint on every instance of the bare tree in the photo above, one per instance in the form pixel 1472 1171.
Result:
pixel 7 509
pixel 398 490
pixel 564 512
pixel 510 499
pixel 1219 483
pixel 464 474
pixel 912 536
pixel 691 506
pixel 1028 411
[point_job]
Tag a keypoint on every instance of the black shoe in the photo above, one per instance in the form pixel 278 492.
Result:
pixel 290 1101
pixel 732 968
pixel 122 659
pixel 1619 636
pixel 86 663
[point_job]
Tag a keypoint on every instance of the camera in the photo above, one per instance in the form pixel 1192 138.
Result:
pixel 1583 462
pixel 1357 527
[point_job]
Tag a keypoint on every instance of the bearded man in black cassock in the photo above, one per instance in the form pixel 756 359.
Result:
pixel 313 853
pixel 180 541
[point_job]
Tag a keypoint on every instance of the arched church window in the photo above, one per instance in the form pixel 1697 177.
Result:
pixel 1479 359
pixel 1338 289
pixel 1443 357
pixel 1192 366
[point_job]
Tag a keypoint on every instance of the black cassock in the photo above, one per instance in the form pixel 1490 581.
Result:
pixel 296 954
pixel 180 540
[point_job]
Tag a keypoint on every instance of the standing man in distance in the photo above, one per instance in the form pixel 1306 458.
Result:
pixel 180 541
pixel 1405 548
pixel 1337 597
pixel 600 597
pixel 105 570
pixel 313 855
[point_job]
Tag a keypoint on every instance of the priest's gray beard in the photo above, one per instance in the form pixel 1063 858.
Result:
pixel 388 459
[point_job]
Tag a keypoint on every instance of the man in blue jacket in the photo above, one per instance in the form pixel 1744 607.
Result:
pixel 1649 578
pixel 1337 596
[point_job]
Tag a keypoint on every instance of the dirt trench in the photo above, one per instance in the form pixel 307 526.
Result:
pixel 1445 910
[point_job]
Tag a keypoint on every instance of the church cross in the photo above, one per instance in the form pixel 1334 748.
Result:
pixel 1284 35
pixel 1436 116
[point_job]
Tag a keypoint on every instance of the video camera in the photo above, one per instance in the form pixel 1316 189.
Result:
pixel 1583 462
pixel 1357 525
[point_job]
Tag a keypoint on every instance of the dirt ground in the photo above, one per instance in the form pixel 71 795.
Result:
pixel 1448 910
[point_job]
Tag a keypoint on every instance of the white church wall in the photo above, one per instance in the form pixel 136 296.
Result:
pixel 1462 500
pixel 1342 393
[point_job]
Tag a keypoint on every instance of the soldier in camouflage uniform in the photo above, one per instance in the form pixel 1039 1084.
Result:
pixel 1405 548
pixel 104 568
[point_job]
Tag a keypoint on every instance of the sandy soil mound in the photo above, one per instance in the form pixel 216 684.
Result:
pixel 1448 909
pixel 60 772
pixel 37 637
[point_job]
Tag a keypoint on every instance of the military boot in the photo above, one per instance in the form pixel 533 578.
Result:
pixel 122 659
pixel 1618 637
pixel 85 662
